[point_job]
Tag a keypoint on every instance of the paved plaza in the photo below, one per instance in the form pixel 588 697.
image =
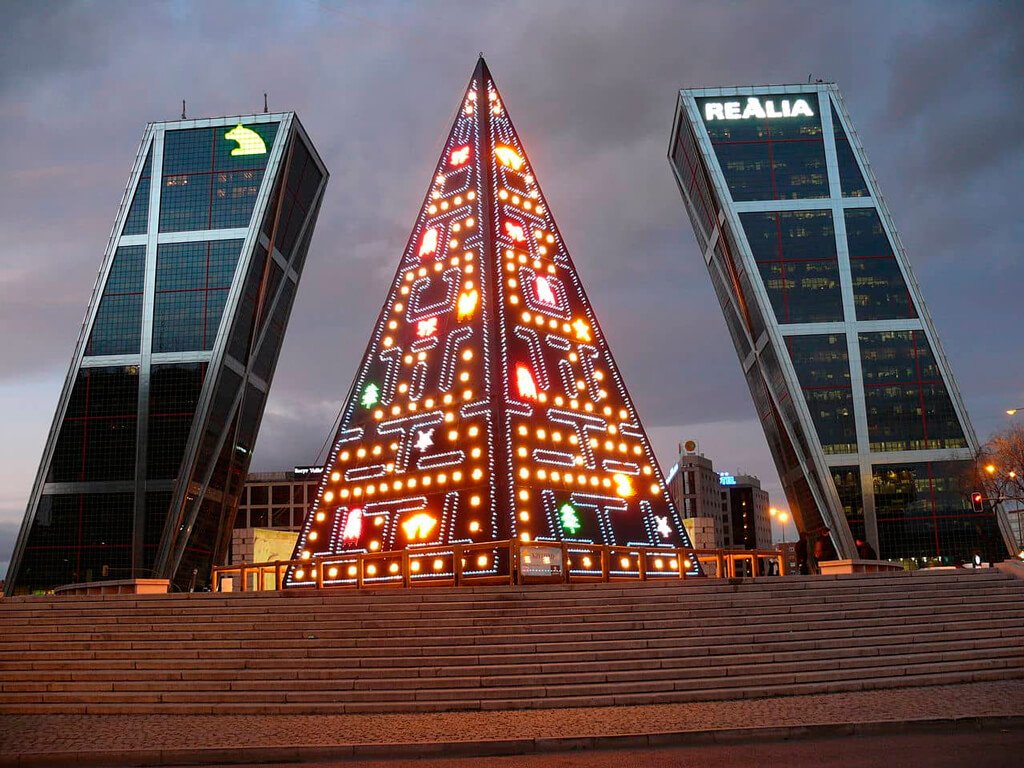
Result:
pixel 206 739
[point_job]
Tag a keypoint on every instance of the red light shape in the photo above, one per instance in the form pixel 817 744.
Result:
pixel 426 327
pixel 544 292
pixel 428 245
pixel 515 231
pixel 353 525
pixel 525 383
pixel 459 156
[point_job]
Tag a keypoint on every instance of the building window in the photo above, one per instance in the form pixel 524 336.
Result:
pixel 795 253
pixel 192 283
pixel 908 405
pixel 204 186
pixel 118 324
pixel 822 367
pixel 923 511
pixel 879 290
pixel 770 159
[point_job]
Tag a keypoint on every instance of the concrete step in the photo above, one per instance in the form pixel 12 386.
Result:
pixel 494 647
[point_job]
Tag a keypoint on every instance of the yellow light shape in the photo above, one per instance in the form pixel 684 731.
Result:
pixel 328 496
pixel 249 142
pixel 659 563
pixel 524 536
pixel 474 526
pixel 623 485
pixel 467 303
pixel 624 562
pixel 352 570
pixel 481 561
pixel 320 517
pixel 419 526
pixel 300 574
pixel 414 566
pixel 507 157
pixel 313 535
pixel 582 329
pixel 371 569
pixel 305 554
pixel 393 567
pixel 332 572
pixel 438 564
pixel 374 546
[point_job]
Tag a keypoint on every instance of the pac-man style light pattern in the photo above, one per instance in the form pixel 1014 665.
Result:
pixel 459 156
pixel 419 526
pixel 353 525
pixel 249 142
pixel 370 395
pixel 508 157
pixel 569 519
pixel 428 245
pixel 488 406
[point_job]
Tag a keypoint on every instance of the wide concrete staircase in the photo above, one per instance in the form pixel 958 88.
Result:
pixel 432 649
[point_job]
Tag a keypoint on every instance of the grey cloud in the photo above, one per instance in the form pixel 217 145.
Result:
pixel 591 87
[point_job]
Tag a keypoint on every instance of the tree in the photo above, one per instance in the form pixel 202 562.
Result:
pixel 1001 469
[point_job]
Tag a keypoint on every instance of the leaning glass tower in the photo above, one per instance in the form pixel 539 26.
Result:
pixel 153 432
pixel 867 428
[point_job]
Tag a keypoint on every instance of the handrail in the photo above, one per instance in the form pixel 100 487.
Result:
pixel 451 564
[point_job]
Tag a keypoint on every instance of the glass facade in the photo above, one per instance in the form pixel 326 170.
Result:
pixel 142 469
pixel 795 253
pixel 820 304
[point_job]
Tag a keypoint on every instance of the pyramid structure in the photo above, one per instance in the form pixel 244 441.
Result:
pixel 487 406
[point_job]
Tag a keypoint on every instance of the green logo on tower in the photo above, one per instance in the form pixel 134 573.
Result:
pixel 249 142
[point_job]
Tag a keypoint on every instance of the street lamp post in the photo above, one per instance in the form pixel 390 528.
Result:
pixel 1013 411
pixel 783 517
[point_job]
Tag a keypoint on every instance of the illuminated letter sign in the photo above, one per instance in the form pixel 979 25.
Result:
pixel 754 108
pixel 249 142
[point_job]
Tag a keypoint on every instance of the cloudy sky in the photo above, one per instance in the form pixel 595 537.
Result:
pixel 933 88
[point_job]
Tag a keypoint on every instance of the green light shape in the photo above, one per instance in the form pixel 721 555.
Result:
pixel 249 142
pixel 370 395
pixel 570 520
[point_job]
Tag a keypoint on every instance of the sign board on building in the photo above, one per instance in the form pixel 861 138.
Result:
pixel 755 108
pixel 307 470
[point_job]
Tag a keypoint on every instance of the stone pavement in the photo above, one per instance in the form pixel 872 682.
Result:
pixel 163 739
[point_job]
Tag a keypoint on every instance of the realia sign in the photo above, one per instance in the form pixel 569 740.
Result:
pixel 755 108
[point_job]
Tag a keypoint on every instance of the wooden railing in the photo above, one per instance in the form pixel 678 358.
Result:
pixel 496 562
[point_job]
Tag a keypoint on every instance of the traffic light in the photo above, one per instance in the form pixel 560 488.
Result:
pixel 978 501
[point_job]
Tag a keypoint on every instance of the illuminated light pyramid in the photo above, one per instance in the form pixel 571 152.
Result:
pixel 487 406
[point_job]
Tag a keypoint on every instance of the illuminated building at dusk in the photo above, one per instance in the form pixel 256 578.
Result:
pixel 867 428
pixel 487 406
pixel 154 428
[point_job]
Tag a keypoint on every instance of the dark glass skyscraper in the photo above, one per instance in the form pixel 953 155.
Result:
pixel 155 426
pixel 862 415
